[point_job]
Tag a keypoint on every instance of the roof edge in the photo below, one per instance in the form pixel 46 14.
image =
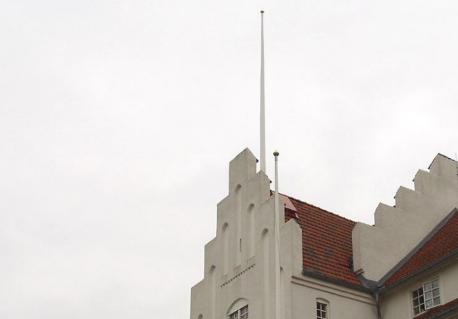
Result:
pixel 327 211
pixel 453 310
pixel 335 281
pixel 444 313
pixel 425 240
pixel 441 262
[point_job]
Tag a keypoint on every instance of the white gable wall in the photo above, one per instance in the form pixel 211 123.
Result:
pixel 397 230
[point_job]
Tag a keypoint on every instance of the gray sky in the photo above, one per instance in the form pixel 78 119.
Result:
pixel 118 120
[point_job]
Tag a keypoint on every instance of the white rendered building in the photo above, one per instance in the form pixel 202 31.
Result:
pixel 404 266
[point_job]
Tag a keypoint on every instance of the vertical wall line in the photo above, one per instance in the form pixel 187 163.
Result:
pixel 225 248
pixel 238 198
pixel 251 217
pixel 266 255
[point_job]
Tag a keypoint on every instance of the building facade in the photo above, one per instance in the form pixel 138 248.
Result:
pixel 404 266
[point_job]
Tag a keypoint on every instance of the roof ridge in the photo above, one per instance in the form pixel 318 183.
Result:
pixel 324 210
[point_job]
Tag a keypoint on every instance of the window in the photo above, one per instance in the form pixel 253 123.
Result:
pixel 321 310
pixel 426 297
pixel 242 313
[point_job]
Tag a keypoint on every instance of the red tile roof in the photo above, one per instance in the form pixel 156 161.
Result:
pixel 326 242
pixel 447 309
pixel 440 244
pixel 327 245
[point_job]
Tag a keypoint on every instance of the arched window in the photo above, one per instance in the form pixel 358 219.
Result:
pixel 238 310
pixel 322 309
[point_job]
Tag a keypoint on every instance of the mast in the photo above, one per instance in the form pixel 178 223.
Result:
pixel 277 243
pixel 262 103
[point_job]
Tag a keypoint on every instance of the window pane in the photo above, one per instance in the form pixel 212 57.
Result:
pixel 428 304
pixel 435 292
pixel 418 301
pixel 436 284
pixel 234 315
pixel 437 301
pixel 244 313
pixel 321 309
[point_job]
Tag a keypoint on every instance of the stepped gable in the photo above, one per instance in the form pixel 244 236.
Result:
pixel 326 243
pixel 440 244
pixel 376 249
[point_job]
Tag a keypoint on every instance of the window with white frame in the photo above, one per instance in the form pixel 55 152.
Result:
pixel 322 310
pixel 242 313
pixel 426 296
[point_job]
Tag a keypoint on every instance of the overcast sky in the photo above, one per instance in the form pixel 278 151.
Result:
pixel 118 120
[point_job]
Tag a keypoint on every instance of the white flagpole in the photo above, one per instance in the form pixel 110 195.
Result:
pixel 277 243
pixel 262 102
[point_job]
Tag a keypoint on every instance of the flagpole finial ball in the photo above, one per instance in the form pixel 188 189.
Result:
pixel 276 153
pixel 262 11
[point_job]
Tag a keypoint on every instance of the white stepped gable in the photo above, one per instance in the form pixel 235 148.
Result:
pixel 239 260
pixel 397 230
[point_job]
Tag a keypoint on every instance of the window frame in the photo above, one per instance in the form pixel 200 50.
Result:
pixel 419 302
pixel 237 314
pixel 319 312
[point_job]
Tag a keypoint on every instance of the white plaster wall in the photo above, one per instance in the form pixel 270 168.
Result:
pixel 343 303
pixel 398 304
pixel 378 248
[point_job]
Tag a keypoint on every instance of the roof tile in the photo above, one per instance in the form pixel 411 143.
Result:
pixel 326 242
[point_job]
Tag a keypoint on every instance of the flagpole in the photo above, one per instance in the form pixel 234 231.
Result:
pixel 277 243
pixel 262 102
